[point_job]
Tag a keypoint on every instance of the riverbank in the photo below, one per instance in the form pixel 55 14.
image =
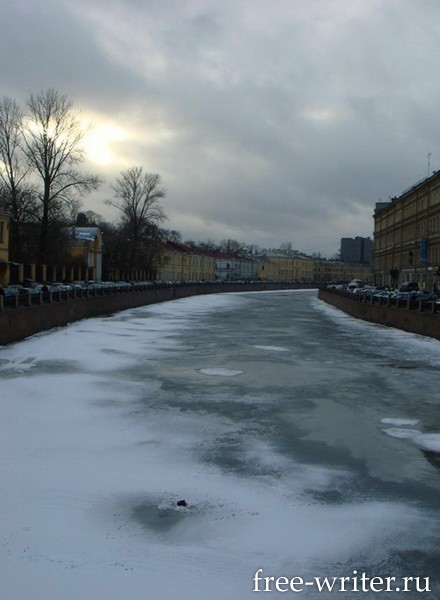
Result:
pixel 19 323
pixel 406 318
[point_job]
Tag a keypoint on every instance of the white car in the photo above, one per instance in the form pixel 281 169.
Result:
pixel 60 287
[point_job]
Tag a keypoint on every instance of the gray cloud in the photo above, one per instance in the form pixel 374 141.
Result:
pixel 268 121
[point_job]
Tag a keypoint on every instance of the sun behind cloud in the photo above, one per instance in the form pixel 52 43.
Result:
pixel 100 143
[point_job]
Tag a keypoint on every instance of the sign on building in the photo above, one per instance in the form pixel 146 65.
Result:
pixel 424 250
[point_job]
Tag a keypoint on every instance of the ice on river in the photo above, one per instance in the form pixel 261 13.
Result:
pixel 221 372
pixel 272 348
pixel 398 422
pixel 107 424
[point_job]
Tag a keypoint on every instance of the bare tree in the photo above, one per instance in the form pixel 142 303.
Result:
pixel 210 245
pixel 52 142
pixel 16 193
pixel 137 196
pixel 172 235
pixel 232 247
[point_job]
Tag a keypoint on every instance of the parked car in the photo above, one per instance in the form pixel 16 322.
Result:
pixel 414 295
pixel 60 287
pixel 368 290
pixel 123 285
pixel 10 291
pixel 410 286
pixel 37 289
pixel 384 294
pixel 433 297
pixel 94 285
pixel 78 286
pixel 20 290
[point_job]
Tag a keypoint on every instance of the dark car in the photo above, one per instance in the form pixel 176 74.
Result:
pixel 433 297
pixel 19 289
pixel 410 286
pixel 412 295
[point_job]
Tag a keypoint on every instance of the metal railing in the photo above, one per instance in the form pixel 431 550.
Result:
pixel 21 300
pixel 418 304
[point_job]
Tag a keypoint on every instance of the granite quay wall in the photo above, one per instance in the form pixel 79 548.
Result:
pixel 414 317
pixel 20 322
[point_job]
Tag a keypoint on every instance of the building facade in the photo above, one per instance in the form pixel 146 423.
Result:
pixel 357 250
pixel 277 266
pixel 304 268
pixel 267 270
pixel 231 267
pixel 179 262
pixel 85 245
pixel 202 264
pixel 407 236
pixel 336 270
pixel 169 262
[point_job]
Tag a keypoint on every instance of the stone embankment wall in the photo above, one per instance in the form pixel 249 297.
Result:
pixel 19 323
pixel 408 319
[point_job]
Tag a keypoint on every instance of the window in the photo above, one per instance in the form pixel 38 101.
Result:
pixel 2 232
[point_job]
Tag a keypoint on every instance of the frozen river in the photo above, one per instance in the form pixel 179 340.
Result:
pixel 304 442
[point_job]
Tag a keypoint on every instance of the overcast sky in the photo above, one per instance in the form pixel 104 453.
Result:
pixel 269 121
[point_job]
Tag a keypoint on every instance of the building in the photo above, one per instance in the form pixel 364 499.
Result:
pixel 358 250
pixel 4 247
pixel 202 264
pixel 407 236
pixel 232 267
pixel 179 262
pixel 281 268
pixel 277 266
pixel 85 245
pixel 168 261
pixel 267 270
pixel 247 268
pixel 336 270
pixel 304 267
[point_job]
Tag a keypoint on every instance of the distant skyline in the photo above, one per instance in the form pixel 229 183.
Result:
pixel 269 121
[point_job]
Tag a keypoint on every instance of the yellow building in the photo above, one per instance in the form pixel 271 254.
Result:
pixel 266 270
pixel 335 270
pixel 4 247
pixel 276 266
pixel 202 265
pixel 85 245
pixel 169 262
pixel 178 262
pixel 282 267
pixel 304 268
pixel 407 236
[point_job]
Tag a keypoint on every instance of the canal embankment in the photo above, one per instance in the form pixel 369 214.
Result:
pixel 21 322
pixel 408 316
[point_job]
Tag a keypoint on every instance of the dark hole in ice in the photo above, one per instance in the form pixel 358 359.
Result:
pixel 159 518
